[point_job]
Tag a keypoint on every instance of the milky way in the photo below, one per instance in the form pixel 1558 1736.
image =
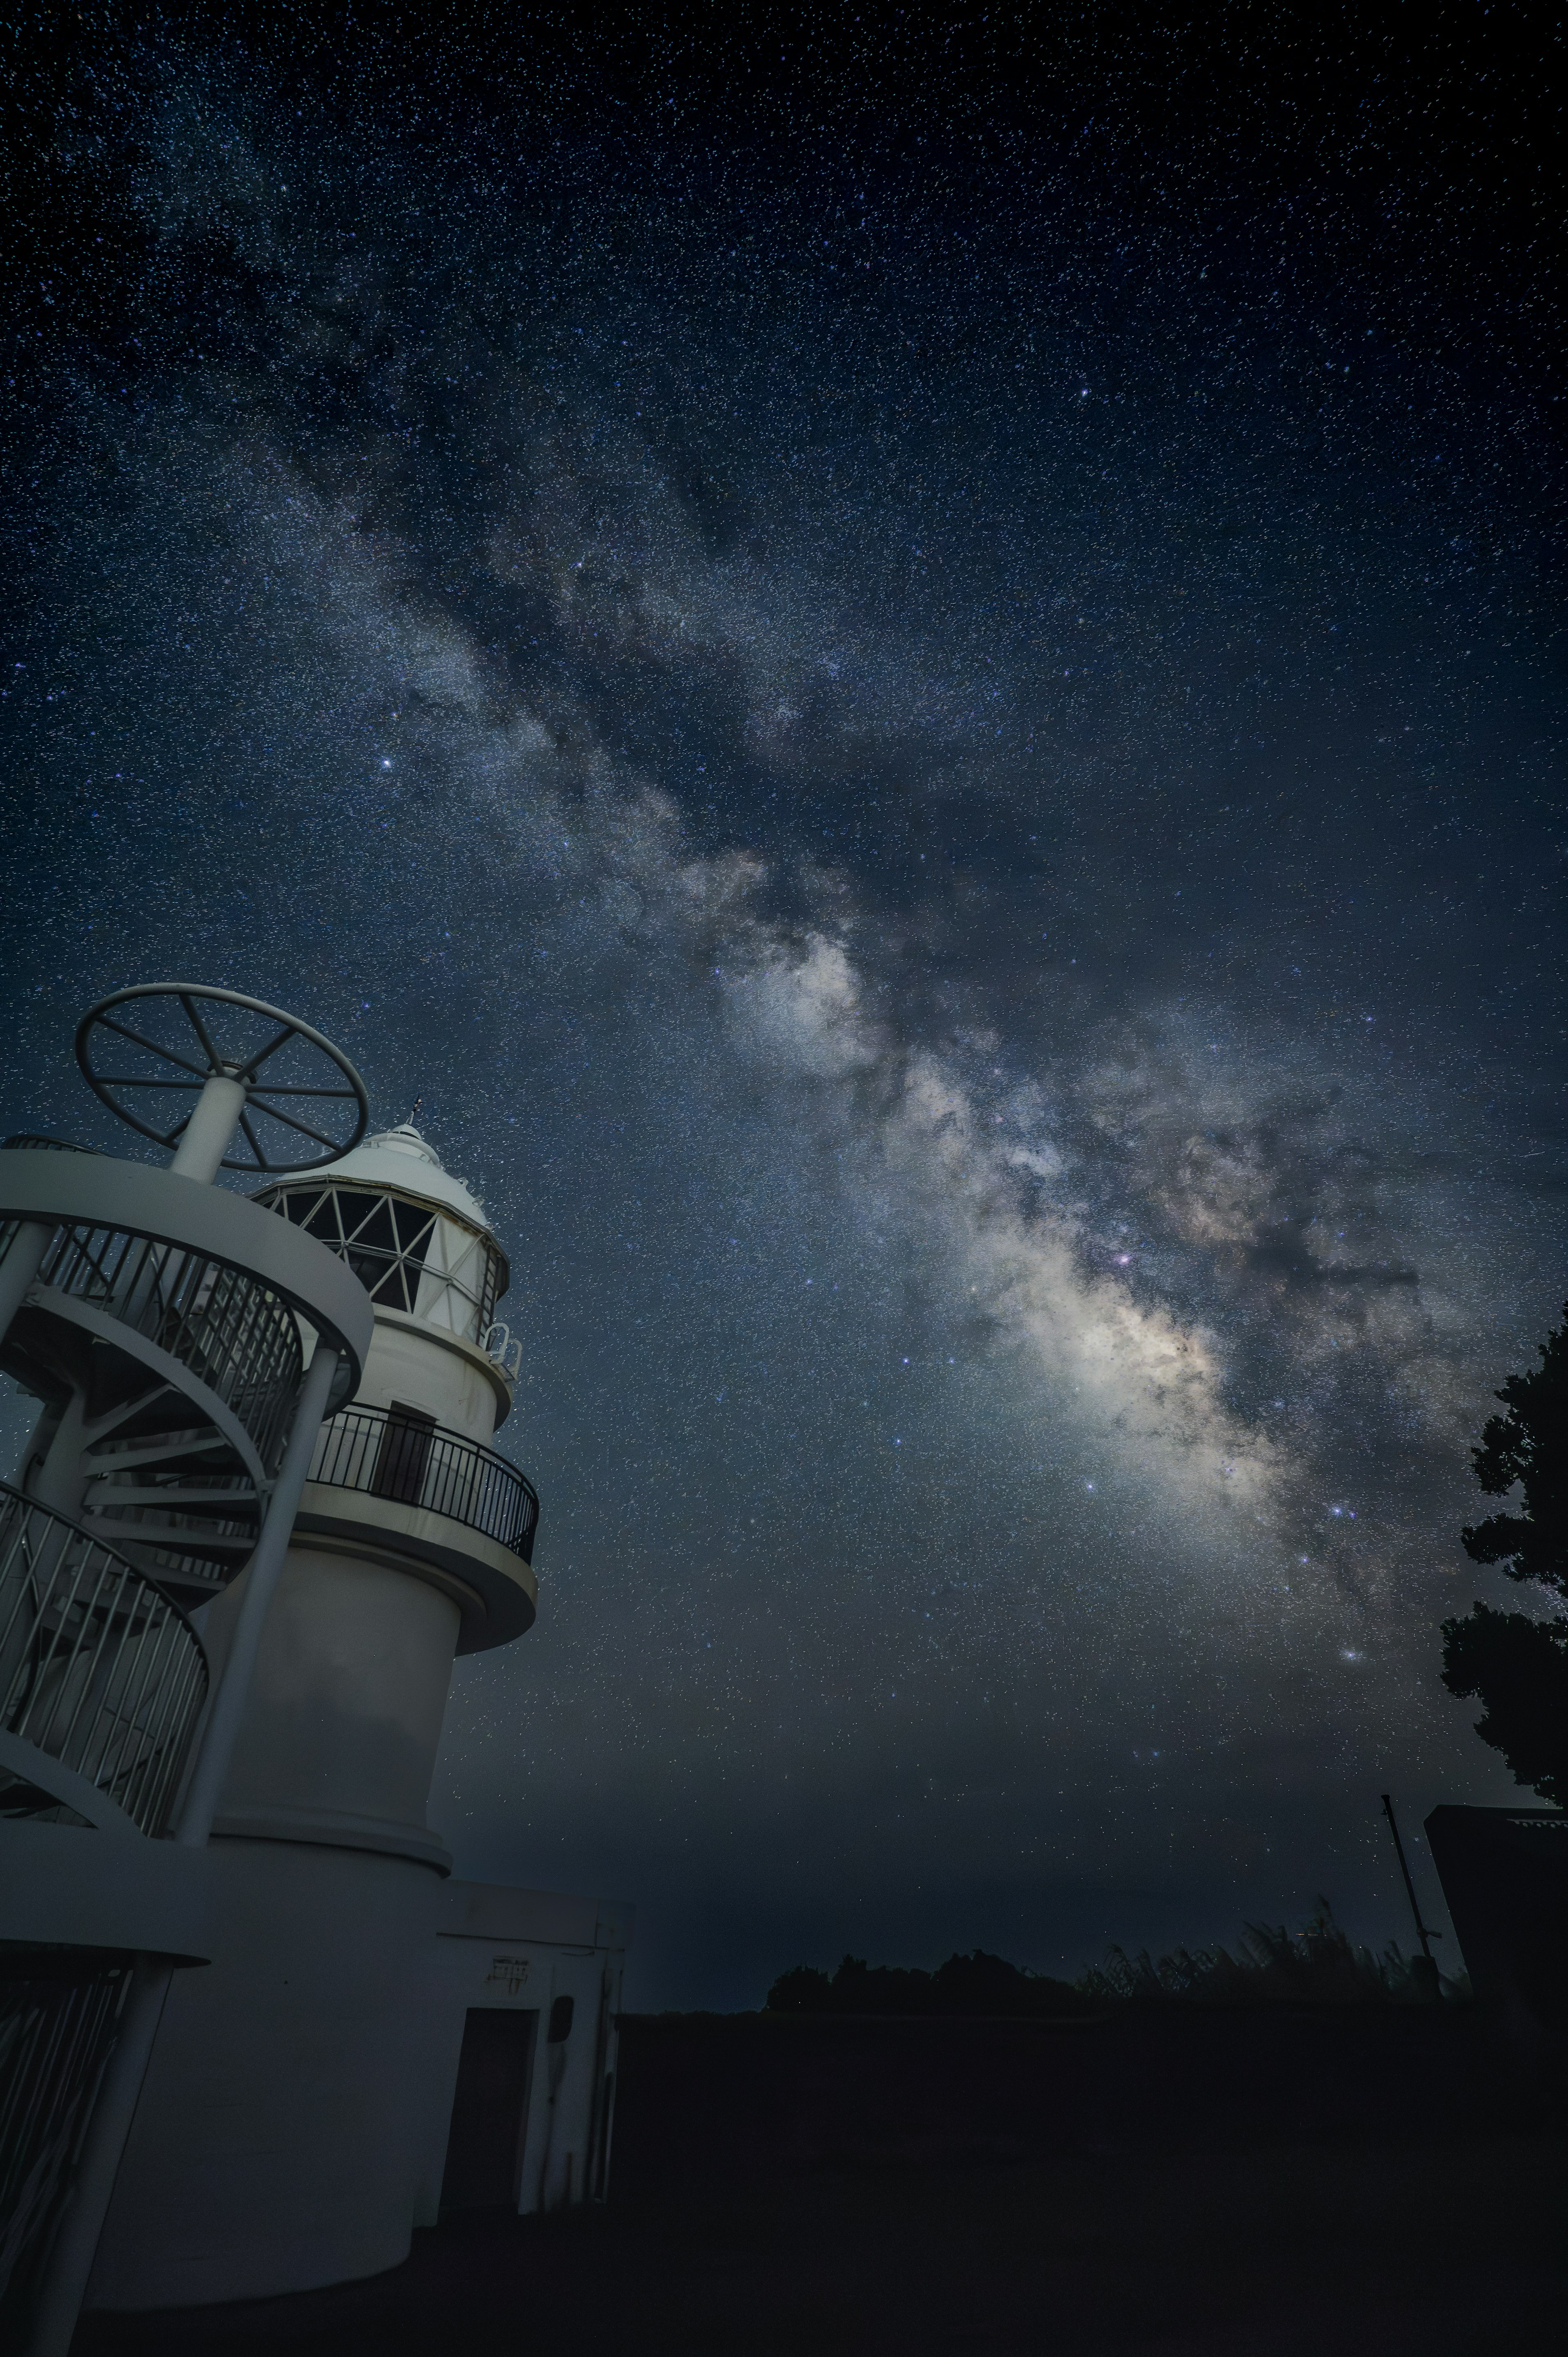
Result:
pixel 927 726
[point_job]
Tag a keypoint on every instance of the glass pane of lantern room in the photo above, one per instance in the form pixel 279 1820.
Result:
pixel 413 1232
pixel 316 1213
pixel 368 1222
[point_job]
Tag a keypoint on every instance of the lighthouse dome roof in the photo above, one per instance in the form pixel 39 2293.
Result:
pixel 400 1157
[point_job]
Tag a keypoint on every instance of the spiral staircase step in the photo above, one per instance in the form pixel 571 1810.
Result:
pixel 119 1499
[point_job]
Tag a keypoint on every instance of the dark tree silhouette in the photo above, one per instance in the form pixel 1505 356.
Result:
pixel 1516 1666
pixel 967 1986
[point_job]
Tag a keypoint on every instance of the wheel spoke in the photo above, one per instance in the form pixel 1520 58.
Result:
pixel 138 1039
pixel 281 1089
pixel 253 1140
pixel 248 1072
pixel 303 1127
pixel 199 1027
pixel 121 1081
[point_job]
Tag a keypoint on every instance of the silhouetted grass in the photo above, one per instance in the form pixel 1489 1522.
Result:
pixel 1269 1965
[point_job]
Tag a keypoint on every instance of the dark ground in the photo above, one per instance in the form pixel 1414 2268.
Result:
pixel 1189 2183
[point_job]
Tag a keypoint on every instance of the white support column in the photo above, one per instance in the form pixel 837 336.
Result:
pixel 211 1129
pixel 260 1578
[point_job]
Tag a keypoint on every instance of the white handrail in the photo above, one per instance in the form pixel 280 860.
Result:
pixel 509 1357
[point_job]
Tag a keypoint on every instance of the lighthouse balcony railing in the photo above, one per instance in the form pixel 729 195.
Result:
pixel 393 1454
pixel 100 1671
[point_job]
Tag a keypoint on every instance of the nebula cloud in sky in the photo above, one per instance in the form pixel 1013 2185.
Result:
pixel 952 803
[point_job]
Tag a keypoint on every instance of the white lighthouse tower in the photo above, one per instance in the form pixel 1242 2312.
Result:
pixel 345 2039
pixel 414 1539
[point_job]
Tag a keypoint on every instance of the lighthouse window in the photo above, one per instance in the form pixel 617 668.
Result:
pixel 311 1213
pixel 406 1255
pixel 385 1243
pixel 414 1228
pixel 371 1249
pixel 370 1222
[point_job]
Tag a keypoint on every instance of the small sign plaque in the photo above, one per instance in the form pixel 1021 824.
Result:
pixel 509 1972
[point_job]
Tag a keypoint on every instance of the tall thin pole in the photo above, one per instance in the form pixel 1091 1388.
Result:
pixel 1421 1930
pixel 261 1578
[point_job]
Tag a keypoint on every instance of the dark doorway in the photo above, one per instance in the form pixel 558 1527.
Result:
pixel 484 2150
pixel 403 1455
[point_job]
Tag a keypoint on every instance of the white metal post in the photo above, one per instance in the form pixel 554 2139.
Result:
pixel 211 1129
pixel 261 1578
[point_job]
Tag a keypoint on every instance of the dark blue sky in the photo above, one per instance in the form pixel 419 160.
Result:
pixel 917 684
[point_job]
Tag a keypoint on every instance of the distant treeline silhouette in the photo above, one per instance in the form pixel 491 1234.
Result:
pixel 976 1984
pixel 1268 1966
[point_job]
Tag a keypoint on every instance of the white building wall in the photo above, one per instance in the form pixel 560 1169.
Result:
pixel 428 1367
pixel 294 2127
pixel 275 2147
pixel 343 1718
pixel 510 1950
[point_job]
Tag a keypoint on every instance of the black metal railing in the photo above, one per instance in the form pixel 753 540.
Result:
pixel 59 2010
pixel 98 1669
pixel 226 1326
pixel 417 1462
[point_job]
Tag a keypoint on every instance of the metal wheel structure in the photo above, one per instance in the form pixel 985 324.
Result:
pixel 152 1053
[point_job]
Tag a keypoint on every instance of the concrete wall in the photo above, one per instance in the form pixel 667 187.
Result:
pixel 502 1949
pixel 293 2129
pixel 276 2146
pixel 343 1719
pixel 428 1367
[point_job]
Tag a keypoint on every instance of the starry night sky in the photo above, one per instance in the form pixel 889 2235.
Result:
pixel 911 671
